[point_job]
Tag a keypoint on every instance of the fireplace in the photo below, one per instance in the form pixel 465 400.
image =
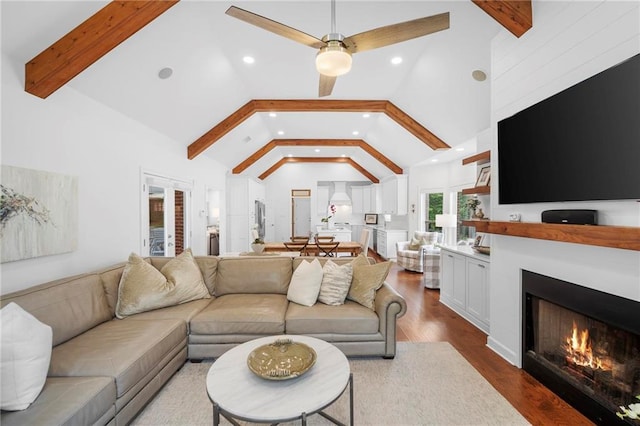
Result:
pixel 582 344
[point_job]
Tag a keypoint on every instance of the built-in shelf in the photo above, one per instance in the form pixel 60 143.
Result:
pixel 480 158
pixel 621 237
pixel 477 190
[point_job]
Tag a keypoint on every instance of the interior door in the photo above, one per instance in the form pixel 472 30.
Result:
pixel 301 215
pixel 165 216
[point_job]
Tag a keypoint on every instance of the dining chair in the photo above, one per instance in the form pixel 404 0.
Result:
pixel 298 246
pixel 299 239
pixel 329 249
pixel 324 239
pixel 364 241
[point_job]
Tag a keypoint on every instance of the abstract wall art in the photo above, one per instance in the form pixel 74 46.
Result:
pixel 38 213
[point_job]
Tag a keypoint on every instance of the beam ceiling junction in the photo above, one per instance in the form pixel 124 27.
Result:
pixel 359 143
pixel 91 40
pixel 346 160
pixel 314 105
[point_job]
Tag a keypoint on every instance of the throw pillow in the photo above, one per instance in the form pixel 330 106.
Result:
pixel 143 288
pixel 305 283
pixel 367 279
pixel 336 280
pixel 414 244
pixel 26 352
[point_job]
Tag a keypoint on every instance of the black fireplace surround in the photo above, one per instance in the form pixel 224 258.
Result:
pixel 583 344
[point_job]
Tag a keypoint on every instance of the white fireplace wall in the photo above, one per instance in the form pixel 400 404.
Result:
pixel 569 42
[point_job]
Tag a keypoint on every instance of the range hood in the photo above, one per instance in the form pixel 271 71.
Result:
pixel 340 197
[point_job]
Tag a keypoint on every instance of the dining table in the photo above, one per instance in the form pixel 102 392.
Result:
pixel 352 247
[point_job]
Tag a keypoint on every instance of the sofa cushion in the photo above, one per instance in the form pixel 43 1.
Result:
pixel 26 351
pixel 305 283
pixel 235 275
pixel 367 279
pixel 68 401
pixel 143 287
pixel 242 314
pixel 336 281
pixel 349 318
pixel 70 306
pixel 183 312
pixel 124 350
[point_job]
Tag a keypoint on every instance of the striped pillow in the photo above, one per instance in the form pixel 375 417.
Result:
pixel 336 280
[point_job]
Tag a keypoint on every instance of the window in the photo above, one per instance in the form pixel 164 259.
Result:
pixel 464 212
pixel 431 203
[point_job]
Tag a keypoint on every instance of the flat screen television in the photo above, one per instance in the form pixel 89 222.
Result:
pixel 580 144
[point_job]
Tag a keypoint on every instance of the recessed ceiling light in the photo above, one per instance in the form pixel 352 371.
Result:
pixel 434 160
pixel 316 150
pixel 273 114
pixel 479 75
pixel 290 155
pixel 397 60
pixel 248 59
pixel 355 133
pixel 280 132
pixel 460 149
pixel 165 73
pixel 366 115
pixel 343 155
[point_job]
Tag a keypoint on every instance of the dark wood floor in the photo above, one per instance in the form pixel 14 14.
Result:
pixel 428 320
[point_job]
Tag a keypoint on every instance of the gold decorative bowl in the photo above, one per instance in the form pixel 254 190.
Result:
pixel 281 360
pixel 482 249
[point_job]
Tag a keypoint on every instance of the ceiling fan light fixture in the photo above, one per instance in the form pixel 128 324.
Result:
pixel 333 60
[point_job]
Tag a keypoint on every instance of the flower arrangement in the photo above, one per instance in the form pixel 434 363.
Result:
pixel 332 210
pixel 473 203
pixel 632 411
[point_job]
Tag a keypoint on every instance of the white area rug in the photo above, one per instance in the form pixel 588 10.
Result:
pixel 426 384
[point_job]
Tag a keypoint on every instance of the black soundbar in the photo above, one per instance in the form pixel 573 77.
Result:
pixel 573 217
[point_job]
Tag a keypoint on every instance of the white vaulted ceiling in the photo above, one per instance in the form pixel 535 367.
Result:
pixel 205 48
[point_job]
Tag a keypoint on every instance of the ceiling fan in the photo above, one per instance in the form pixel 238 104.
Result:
pixel 335 50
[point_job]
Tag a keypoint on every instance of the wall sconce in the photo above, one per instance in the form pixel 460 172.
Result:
pixel 413 208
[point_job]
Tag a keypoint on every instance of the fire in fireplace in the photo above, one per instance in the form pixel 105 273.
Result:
pixel 583 344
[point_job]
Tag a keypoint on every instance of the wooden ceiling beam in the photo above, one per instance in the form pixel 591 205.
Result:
pixel 91 40
pixel 314 105
pixel 345 160
pixel 359 143
pixel 515 15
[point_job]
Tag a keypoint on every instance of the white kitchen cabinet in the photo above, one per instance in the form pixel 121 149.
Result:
pixel 478 290
pixel 394 195
pixel 386 242
pixel 322 200
pixel 339 235
pixel 464 285
pixel 357 200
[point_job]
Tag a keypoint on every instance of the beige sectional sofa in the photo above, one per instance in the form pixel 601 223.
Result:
pixel 104 370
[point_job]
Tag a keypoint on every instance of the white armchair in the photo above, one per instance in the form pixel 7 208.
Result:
pixel 421 255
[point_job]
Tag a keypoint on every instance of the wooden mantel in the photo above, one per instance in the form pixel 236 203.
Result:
pixel 621 237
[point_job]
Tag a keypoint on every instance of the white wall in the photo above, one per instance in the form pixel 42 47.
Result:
pixel 569 42
pixel 71 134
pixel 278 188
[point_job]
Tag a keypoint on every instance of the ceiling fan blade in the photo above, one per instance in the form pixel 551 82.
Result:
pixel 326 85
pixel 275 27
pixel 396 33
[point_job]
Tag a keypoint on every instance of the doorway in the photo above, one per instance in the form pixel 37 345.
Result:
pixel 300 212
pixel 165 209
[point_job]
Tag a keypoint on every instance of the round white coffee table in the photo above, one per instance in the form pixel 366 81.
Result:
pixel 237 393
